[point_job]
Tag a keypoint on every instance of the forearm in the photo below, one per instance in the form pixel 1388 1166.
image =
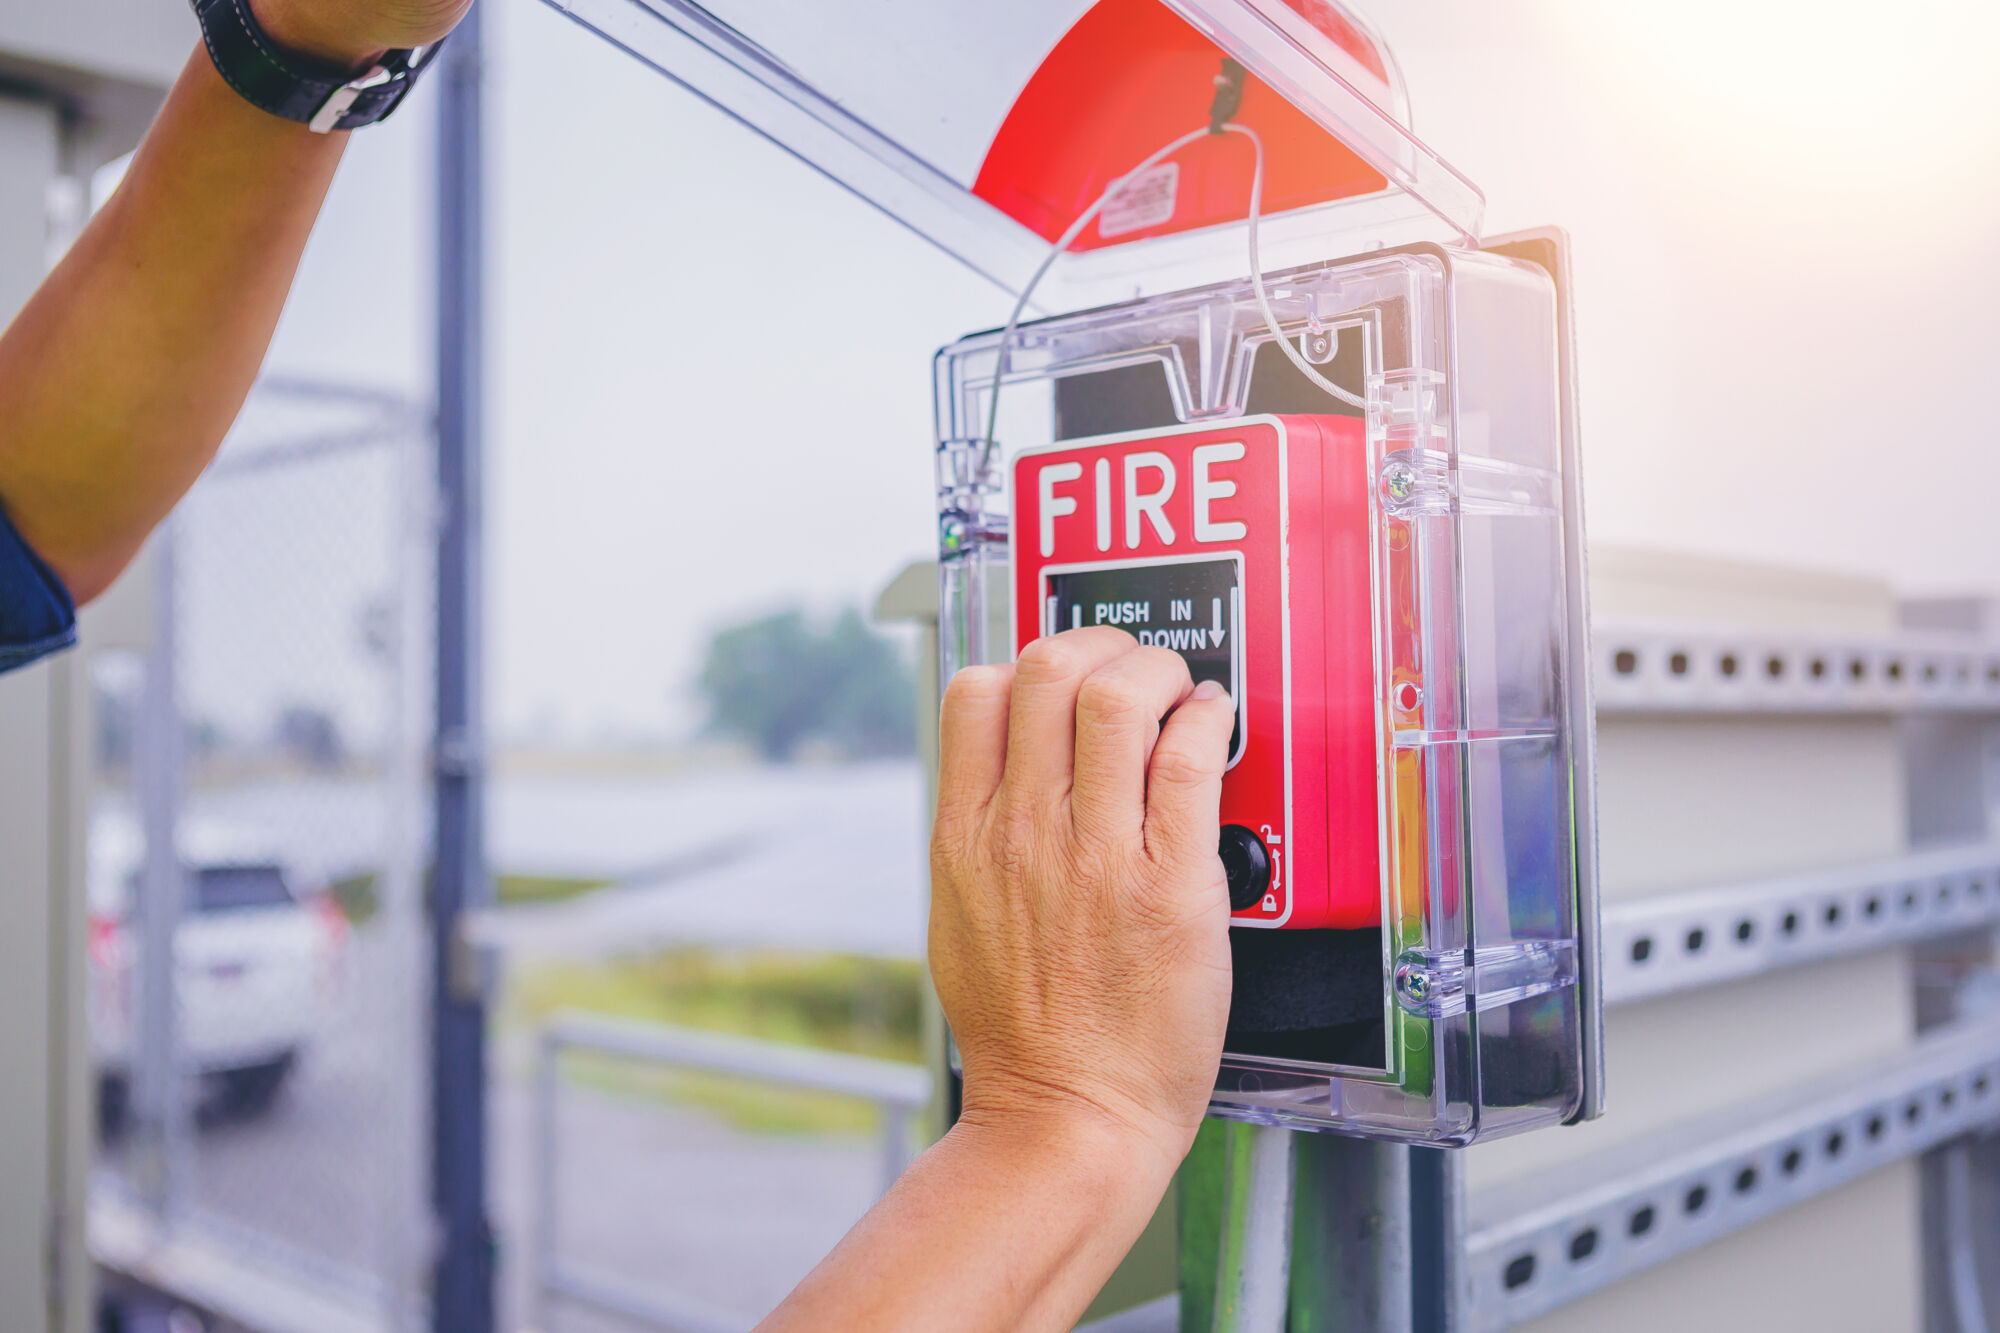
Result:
pixel 1000 1227
pixel 120 377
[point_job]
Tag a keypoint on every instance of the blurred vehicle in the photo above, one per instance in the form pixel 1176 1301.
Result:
pixel 256 967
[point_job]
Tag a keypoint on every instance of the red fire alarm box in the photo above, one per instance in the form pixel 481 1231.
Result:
pixel 1254 386
pixel 1244 547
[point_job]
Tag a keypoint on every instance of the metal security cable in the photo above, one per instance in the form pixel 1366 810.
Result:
pixel 1085 218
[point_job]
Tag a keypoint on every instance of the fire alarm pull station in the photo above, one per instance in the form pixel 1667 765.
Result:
pixel 1266 396
pixel 1243 546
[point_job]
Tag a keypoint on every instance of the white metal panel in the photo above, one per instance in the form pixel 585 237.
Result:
pixel 1735 791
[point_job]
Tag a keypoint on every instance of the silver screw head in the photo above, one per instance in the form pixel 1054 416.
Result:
pixel 1399 481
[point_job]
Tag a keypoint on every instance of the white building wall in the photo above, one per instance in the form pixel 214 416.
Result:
pixel 1688 802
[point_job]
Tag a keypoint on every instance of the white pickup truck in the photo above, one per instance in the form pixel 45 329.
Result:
pixel 257 967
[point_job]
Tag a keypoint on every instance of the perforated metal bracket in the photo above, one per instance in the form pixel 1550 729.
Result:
pixel 1670 667
pixel 1676 941
pixel 1565 1232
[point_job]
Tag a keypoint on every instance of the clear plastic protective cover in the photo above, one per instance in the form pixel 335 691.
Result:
pixel 1452 1009
pixel 984 128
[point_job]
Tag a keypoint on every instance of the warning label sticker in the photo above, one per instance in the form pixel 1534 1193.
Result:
pixel 1147 202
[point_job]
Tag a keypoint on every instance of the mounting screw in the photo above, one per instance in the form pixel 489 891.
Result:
pixel 1414 985
pixel 1320 344
pixel 952 530
pixel 1399 480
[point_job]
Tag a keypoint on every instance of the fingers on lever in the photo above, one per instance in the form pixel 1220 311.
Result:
pixel 1041 735
pixel 1184 779
pixel 1118 714
pixel 972 737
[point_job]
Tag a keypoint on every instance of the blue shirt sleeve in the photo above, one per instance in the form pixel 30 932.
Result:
pixel 37 614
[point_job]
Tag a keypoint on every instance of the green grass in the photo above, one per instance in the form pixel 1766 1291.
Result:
pixel 511 889
pixel 359 900
pixel 838 1002
pixel 835 1002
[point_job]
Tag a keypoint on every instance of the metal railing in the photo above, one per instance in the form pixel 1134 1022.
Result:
pixel 899 1090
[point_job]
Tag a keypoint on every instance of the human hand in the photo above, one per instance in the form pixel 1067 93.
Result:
pixel 355 33
pixel 1079 911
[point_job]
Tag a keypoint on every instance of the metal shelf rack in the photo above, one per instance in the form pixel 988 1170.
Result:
pixel 1674 667
pixel 1672 942
pixel 1565 1233
pixel 1535 1244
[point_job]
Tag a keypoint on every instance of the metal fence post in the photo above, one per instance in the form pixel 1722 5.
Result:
pixel 157 1097
pixel 408 1234
pixel 463 1297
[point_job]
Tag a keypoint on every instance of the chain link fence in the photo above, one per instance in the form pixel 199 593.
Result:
pixel 258 987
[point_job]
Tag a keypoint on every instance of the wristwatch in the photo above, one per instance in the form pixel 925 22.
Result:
pixel 316 95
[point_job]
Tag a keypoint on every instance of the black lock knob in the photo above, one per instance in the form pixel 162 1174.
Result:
pixel 1247 864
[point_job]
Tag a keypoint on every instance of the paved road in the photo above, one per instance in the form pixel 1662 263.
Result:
pixel 310 1180
pixel 674 1199
pixel 810 858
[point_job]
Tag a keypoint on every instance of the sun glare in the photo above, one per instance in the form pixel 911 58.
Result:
pixel 1852 93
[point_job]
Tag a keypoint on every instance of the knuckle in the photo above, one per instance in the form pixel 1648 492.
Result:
pixel 1049 659
pixel 1157 909
pixel 1112 698
pixel 1017 847
pixel 1105 840
pixel 952 854
pixel 1014 827
pixel 948 828
pixel 1177 768
pixel 1165 660
pixel 976 685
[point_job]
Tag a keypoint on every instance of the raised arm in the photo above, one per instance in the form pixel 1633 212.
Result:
pixel 1079 942
pixel 121 375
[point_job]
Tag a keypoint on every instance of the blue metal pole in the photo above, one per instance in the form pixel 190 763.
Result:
pixel 463 1293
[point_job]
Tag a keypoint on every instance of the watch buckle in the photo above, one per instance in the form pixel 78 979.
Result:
pixel 337 102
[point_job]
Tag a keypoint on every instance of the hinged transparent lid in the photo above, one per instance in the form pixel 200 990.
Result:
pixel 988 128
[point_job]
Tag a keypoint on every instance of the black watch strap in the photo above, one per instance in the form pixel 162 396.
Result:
pixel 318 96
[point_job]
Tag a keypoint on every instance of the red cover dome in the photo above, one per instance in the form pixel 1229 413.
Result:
pixel 1129 76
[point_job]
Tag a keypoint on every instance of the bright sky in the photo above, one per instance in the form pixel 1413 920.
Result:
pixel 711 368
